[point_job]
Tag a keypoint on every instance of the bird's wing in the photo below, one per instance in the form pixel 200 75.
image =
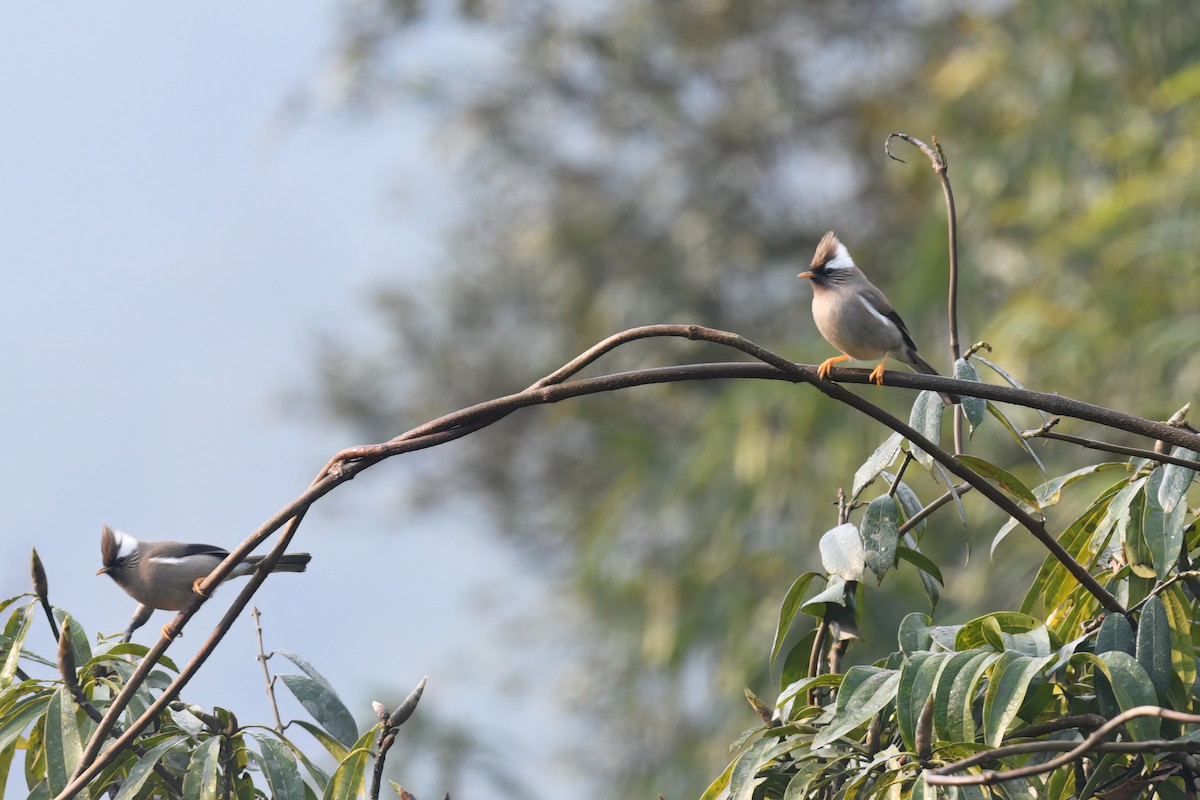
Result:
pixel 198 550
pixel 880 304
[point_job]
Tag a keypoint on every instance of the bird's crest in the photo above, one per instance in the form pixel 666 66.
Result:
pixel 831 253
pixel 114 545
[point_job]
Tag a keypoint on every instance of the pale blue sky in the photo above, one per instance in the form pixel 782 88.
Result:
pixel 170 250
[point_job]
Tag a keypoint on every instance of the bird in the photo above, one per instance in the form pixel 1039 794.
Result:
pixel 165 575
pixel 855 317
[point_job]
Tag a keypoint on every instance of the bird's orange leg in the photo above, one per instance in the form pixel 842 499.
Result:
pixel 169 632
pixel 196 587
pixel 827 364
pixel 877 373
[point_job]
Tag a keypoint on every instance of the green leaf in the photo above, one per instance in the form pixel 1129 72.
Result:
pixel 1115 634
pixel 880 534
pixel 15 632
pixel 144 768
pixel 913 633
pixel 1016 435
pixel 1014 631
pixel 910 504
pixel 921 562
pixel 1154 646
pixel 1050 494
pixel 347 780
pixel 917 679
pixel 1163 537
pixel 947 702
pixel 335 748
pixel 1176 480
pixel 1132 687
pixel 1183 654
pixel 973 407
pixel 717 788
pixel 17 717
pixel 955 693
pixel 926 419
pixel 842 552
pixel 200 780
pixel 834 592
pixel 279 766
pixel 1010 679
pixel 876 463
pixel 64 747
pixel 745 778
pixel 787 612
pixel 865 691
pixel 324 705
pixel 1004 479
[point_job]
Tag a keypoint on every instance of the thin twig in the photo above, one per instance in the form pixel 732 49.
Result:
pixel 933 506
pixel 262 659
pixel 908 457
pixel 1044 432
pixel 814 655
pixel 942 776
pixel 941 167
pixel 1060 724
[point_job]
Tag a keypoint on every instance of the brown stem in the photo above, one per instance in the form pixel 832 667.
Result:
pixel 941 167
pixel 942 776
pixel 814 656
pixel 262 659
pixel 1108 447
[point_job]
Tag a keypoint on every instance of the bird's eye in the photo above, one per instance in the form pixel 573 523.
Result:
pixel 121 561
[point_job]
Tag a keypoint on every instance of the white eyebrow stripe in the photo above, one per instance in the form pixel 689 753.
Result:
pixel 841 260
pixel 126 544
pixel 167 560
pixel 874 311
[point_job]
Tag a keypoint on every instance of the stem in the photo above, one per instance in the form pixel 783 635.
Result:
pixel 262 659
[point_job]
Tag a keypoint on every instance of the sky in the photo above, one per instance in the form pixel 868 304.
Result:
pixel 173 244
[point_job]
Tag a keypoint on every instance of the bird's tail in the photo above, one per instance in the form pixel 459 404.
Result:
pixel 288 562
pixel 921 365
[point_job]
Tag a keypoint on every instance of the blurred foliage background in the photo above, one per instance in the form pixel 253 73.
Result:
pixel 633 162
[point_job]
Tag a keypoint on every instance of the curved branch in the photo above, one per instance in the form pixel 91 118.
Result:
pixel 940 166
pixel 349 462
pixel 942 776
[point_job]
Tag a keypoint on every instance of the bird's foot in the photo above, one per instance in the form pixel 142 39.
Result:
pixel 196 588
pixel 169 632
pixel 876 375
pixel 826 365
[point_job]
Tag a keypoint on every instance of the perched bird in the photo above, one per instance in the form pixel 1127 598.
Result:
pixel 164 574
pixel 854 316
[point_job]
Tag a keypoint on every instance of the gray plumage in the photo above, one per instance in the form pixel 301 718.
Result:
pixel 162 575
pixel 855 317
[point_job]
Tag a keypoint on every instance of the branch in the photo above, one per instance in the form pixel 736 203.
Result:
pixel 1044 432
pixel 942 776
pixel 262 659
pixel 940 166
pixel 348 463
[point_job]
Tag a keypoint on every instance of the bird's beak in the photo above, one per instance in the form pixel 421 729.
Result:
pixel 808 275
pixel 104 570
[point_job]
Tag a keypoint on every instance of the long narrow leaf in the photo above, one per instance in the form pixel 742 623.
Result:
pixel 64 746
pixel 787 612
pixel 144 768
pixel 347 780
pixel 15 632
pixel 864 692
